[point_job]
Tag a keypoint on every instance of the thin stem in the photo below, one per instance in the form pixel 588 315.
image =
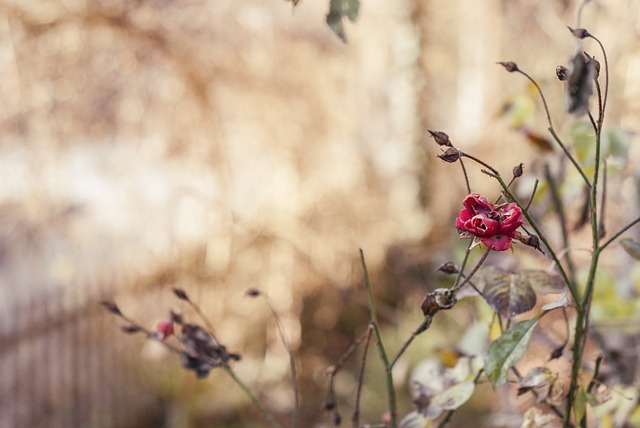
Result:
pixel 486 165
pixel 552 130
pixel 559 206
pixel 365 351
pixel 466 176
pixel 422 327
pixel 533 193
pixel 602 231
pixel 391 392
pixel 267 415
pixel 292 365
pixel 606 81
pixel 458 286
pixel 620 232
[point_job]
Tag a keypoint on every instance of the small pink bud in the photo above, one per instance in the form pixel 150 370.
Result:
pixel 164 329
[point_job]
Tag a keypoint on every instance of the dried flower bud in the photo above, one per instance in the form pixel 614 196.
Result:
pixel 130 329
pixel 439 299
pixel 557 353
pixel 448 268
pixel 518 170
pixel 252 292
pixel 111 307
pixel 579 33
pixel 562 72
pixel 441 138
pixel 329 404
pixel 450 155
pixel 337 419
pixel 510 66
pixel 176 317
pixel 180 294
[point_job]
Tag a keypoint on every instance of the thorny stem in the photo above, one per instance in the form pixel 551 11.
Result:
pixel 552 130
pixel 365 351
pixel 268 416
pixel 391 392
pixel 583 310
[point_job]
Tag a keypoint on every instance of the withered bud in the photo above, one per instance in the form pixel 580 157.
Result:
pixel 176 317
pixel 329 405
pixel 579 33
pixel 510 66
pixel 448 268
pixel 562 72
pixel 450 155
pixel 437 300
pixel 111 307
pixel 529 240
pixel 557 353
pixel 441 138
pixel 180 294
pixel 518 170
pixel 130 329
pixel 337 419
pixel 253 292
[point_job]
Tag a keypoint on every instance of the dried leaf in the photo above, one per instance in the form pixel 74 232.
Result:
pixel 415 420
pixel 535 418
pixel 537 377
pixel 454 397
pixel 507 350
pixel 560 302
pixel 543 282
pixel 631 247
pixel 508 294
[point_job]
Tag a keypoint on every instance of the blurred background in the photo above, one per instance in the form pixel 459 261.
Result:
pixel 222 145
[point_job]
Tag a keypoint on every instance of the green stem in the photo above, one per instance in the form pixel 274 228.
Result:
pixel 267 415
pixel 391 392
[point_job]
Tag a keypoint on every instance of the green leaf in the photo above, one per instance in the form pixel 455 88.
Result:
pixel 507 350
pixel 631 247
pixel 543 282
pixel 338 9
pixel 508 294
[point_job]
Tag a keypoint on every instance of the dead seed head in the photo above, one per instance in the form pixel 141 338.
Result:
pixel 510 66
pixel 518 170
pixel 562 72
pixel 450 155
pixel 111 307
pixel 181 294
pixel 579 33
pixel 441 138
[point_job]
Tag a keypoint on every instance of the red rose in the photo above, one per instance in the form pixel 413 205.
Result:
pixel 495 225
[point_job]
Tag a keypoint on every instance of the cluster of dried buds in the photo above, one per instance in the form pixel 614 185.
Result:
pixel 197 346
